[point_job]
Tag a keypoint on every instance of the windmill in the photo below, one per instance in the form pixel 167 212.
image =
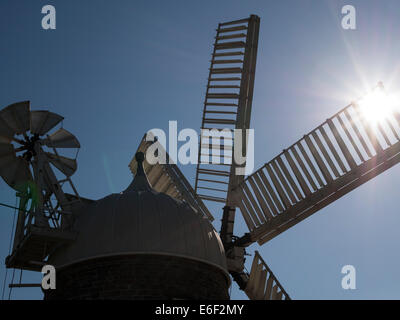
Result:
pixel 328 162
pixel 339 155
pixel 28 155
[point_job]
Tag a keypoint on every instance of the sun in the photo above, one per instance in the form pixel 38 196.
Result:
pixel 378 106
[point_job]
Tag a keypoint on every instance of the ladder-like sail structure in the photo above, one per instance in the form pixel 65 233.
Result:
pixel 342 153
pixel 262 283
pixel 227 106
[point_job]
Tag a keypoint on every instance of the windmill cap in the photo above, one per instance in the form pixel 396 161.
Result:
pixel 139 156
pixel 140 181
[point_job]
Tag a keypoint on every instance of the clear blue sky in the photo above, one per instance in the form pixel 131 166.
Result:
pixel 115 69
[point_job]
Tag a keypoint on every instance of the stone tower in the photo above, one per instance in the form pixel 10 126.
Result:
pixel 141 244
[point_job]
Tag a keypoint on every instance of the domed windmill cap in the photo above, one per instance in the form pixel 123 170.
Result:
pixel 140 181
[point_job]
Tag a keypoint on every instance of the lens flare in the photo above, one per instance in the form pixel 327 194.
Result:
pixel 378 106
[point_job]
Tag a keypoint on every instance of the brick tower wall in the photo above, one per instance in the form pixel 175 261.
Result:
pixel 139 277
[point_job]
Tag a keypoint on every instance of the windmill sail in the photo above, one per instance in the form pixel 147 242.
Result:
pixel 17 117
pixel 16 174
pixel 66 165
pixel 227 106
pixel 167 178
pixel 262 283
pixel 62 139
pixel 344 152
pixel 43 121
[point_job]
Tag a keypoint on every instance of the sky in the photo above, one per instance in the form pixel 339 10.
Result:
pixel 115 69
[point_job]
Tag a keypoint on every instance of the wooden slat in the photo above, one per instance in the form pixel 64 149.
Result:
pixel 224 30
pixel 225 70
pixel 320 163
pixel 257 281
pixel 304 168
pixel 148 168
pixel 234 22
pixel 160 181
pixel 217 104
pixel 358 133
pixel 214 181
pixel 212 189
pixel 264 191
pixel 268 289
pixel 230 45
pixel 232 36
pixel 274 294
pixel 219 121
pixel 297 173
pixel 253 201
pixel 383 133
pixel 228 54
pixel 221 147
pixel 214 172
pixel 342 145
pixel 333 149
pixel 222 96
pixel 262 279
pixel 310 164
pixel 253 270
pixel 392 129
pixel 207 135
pixel 217 141
pixel 155 172
pixel 211 198
pixel 271 191
pixel 153 180
pixel 346 131
pixel 245 215
pixel 282 179
pixel 278 187
pixel 224 86
pixel 249 208
pixel 225 79
pixel 325 154
pixel 396 115
pixel 175 193
pixel 219 112
pixel 367 128
pixel 165 187
pixel 267 213
pixel 289 178
pixel 233 61
pixel 170 189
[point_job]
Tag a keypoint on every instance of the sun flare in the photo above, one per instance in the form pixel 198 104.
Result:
pixel 378 106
